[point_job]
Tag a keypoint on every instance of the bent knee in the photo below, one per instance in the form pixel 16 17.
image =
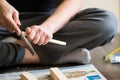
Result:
pixel 108 24
pixel 102 20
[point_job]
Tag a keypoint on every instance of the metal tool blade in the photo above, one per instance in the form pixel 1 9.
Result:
pixel 28 44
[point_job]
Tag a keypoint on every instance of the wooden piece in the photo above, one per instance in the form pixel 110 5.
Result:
pixel 27 76
pixel 57 42
pixel 56 74
pixel 28 44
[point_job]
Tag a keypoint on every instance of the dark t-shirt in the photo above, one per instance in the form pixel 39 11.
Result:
pixel 33 5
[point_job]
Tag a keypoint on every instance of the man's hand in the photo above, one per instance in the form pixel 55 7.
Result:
pixel 9 17
pixel 39 34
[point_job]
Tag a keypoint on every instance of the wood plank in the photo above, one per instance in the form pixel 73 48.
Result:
pixel 56 74
pixel 27 76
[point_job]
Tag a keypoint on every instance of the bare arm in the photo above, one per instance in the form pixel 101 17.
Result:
pixel 41 34
pixel 63 14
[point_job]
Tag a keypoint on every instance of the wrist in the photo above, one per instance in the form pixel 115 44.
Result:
pixel 49 27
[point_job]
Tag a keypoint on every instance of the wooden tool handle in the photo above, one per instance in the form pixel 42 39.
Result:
pixel 57 42
pixel 53 41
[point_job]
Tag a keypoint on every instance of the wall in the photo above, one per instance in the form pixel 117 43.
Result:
pixel 112 5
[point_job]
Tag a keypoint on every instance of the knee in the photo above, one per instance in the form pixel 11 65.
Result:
pixel 106 27
pixel 106 22
pixel 102 21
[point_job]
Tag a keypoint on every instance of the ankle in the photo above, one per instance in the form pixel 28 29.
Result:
pixel 30 59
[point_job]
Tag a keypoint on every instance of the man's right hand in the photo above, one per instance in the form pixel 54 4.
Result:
pixel 9 17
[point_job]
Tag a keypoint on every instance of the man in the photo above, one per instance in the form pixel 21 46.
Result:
pixel 42 20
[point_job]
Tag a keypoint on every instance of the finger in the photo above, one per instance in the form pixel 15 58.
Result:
pixel 42 39
pixel 46 40
pixel 37 37
pixel 13 26
pixel 16 18
pixel 32 33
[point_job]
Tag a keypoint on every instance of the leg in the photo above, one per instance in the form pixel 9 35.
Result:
pixel 28 57
pixel 80 56
pixel 5 33
pixel 12 53
pixel 88 29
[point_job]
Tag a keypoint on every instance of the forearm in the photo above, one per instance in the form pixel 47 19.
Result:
pixel 62 14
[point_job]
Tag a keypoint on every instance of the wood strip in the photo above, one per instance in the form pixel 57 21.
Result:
pixel 27 76
pixel 56 74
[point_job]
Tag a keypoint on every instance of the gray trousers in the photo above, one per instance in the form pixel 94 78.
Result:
pixel 88 29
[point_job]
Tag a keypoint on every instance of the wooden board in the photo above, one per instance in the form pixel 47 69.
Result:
pixel 56 74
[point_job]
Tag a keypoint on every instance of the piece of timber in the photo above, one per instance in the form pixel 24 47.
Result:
pixel 27 76
pixel 56 74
